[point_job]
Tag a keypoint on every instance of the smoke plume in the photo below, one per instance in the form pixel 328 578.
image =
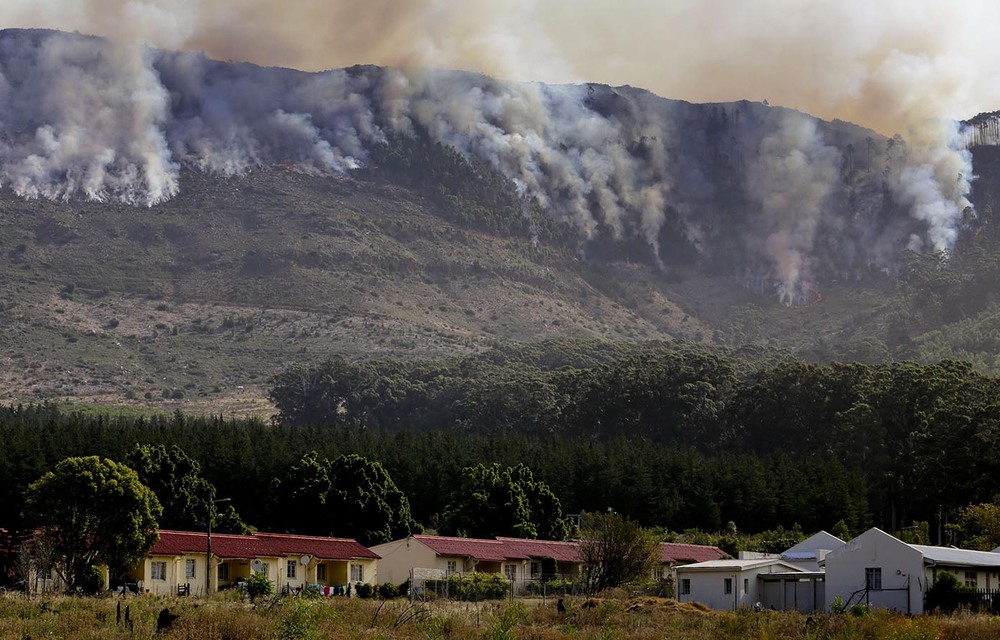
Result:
pixel 115 119
pixel 791 180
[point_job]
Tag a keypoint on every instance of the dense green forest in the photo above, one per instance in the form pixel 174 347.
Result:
pixel 677 437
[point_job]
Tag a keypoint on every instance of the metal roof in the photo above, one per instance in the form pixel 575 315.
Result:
pixel 259 544
pixel 676 553
pixel 964 557
pixel 739 565
pixel 808 547
pixel 503 548
pixel 522 548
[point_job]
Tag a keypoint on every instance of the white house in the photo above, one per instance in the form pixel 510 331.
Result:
pixel 808 553
pixel 732 584
pixel 880 570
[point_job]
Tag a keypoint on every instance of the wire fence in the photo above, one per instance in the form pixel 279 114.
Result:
pixel 435 584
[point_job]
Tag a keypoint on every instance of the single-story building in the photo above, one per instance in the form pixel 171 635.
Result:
pixel 519 560
pixel 177 562
pixel 879 570
pixel 733 584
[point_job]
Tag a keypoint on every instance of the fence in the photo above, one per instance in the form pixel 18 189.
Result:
pixel 431 584
pixel 974 600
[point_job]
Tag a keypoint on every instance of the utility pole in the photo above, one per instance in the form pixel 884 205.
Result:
pixel 208 541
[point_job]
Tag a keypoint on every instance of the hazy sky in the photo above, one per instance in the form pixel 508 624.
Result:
pixel 888 64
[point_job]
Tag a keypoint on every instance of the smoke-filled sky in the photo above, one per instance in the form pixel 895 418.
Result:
pixel 888 64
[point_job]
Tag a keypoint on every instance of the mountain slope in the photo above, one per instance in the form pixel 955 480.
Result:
pixel 175 230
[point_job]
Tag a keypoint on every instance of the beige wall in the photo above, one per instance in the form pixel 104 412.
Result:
pixel 400 556
pixel 984 579
pixel 337 572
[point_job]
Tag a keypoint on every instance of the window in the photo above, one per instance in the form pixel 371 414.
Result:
pixel 321 573
pixel 510 570
pixel 45 574
pixel 746 586
pixel 536 568
pixel 971 579
pixel 728 585
pixel 686 587
pixel 357 573
pixel 223 571
pixel 873 578
pixel 189 568
pixel 658 572
pixel 264 568
pixel 452 566
pixel 158 570
pixel 290 570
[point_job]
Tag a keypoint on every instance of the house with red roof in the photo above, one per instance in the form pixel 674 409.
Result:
pixel 180 562
pixel 675 554
pixel 519 560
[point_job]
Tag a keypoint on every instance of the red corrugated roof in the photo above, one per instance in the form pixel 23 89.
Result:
pixel 487 550
pixel 676 553
pixel 502 549
pixel 522 548
pixel 173 543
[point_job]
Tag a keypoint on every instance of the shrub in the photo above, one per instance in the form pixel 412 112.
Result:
pixel 258 585
pixel 92 581
pixel 474 586
pixel 554 586
pixel 364 590
pixel 947 594
pixel 387 591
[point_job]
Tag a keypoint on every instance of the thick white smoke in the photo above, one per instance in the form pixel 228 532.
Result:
pixel 791 179
pixel 116 121
pixel 935 182
pixel 86 117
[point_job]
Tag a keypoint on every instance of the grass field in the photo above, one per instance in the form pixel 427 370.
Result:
pixel 228 618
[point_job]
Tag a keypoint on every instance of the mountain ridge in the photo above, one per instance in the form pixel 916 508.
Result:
pixel 422 242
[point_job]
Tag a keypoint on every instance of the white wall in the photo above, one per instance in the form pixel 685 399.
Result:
pixel 903 581
pixel 709 588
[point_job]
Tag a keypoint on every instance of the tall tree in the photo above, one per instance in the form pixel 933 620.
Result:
pixel 615 550
pixel 93 511
pixel 978 526
pixel 183 493
pixel 503 501
pixel 350 496
pixel 366 503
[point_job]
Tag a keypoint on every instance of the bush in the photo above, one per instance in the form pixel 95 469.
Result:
pixel 474 586
pixel 947 594
pixel 258 585
pixel 364 590
pixel 92 581
pixel 387 590
pixel 554 586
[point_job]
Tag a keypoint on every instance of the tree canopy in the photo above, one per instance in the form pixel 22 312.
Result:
pixel 503 501
pixel 350 496
pixel 184 494
pixel 93 511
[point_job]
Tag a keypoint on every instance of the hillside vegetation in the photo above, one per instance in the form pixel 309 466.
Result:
pixel 471 215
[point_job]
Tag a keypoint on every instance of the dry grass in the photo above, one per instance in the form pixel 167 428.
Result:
pixel 228 618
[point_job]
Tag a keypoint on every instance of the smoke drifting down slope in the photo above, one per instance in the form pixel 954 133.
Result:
pixel 85 117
